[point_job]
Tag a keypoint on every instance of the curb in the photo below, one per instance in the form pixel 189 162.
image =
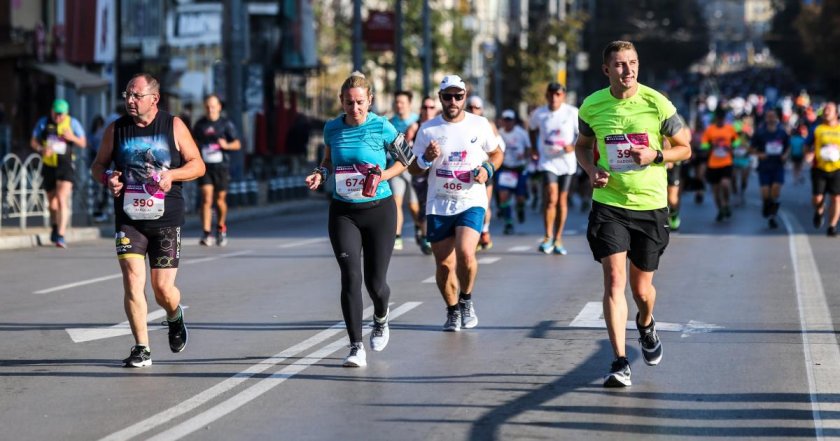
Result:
pixel 37 237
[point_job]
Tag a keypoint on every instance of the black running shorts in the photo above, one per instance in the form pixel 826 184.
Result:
pixel 216 175
pixel 715 175
pixel 642 234
pixel 162 244
pixel 825 182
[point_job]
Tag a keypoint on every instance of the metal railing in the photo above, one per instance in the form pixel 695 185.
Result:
pixel 21 192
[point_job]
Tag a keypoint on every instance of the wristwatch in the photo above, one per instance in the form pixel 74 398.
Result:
pixel 659 158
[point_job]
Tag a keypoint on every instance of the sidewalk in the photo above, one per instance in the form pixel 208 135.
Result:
pixel 15 238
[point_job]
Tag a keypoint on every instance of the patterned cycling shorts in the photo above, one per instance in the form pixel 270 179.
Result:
pixel 162 244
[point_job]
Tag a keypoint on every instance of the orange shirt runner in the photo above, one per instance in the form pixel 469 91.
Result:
pixel 720 139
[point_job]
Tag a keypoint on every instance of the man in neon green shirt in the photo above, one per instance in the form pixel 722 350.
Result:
pixel 620 147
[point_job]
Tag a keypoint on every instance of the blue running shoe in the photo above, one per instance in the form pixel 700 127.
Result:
pixel 547 246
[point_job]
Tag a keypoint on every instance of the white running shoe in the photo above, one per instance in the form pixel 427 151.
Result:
pixel 468 317
pixel 357 356
pixel 380 335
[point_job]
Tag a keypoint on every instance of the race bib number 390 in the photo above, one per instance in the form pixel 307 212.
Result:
pixel 144 201
pixel 618 150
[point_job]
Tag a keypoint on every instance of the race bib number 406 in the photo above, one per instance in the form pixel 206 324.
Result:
pixel 618 150
pixel 451 184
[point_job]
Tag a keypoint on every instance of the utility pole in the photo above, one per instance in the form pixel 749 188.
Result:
pixel 427 48
pixel 357 35
pixel 234 54
pixel 398 48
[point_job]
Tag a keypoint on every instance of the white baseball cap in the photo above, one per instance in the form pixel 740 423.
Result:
pixel 475 101
pixel 452 81
pixel 508 114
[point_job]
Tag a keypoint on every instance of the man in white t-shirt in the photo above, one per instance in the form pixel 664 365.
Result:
pixel 554 129
pixel 461 152
pixel 512 178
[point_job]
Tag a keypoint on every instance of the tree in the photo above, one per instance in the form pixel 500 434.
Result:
pixel 785 41
pixel 823 45
pixel 668 34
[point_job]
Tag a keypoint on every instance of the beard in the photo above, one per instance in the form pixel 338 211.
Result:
pixel 451 113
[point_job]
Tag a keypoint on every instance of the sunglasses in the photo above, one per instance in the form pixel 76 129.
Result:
pixel 428 107
pixel 452 96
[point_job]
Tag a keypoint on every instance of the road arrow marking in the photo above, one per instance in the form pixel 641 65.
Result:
pixel 519 249
pixel 81 335
pixel 488 260
pixel 303 242
pixel 591 316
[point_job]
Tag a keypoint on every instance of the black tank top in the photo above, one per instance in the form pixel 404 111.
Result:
pixel 141 153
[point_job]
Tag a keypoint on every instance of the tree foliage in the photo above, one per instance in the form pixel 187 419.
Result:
pixel 668 34
pixel 525 73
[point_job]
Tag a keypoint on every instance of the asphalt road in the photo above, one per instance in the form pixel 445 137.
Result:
pixel 747 317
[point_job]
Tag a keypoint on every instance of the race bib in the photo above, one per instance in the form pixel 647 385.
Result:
pixel 741 152
pixel 508 178
pixel 212 154
pixel 350 180
pixel 144 201
pixel 452 184
pixel 774 148
pixel 830 153
pixel 56 144
pixel 618 150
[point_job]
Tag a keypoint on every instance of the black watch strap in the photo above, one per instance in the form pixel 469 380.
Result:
pixel 659 157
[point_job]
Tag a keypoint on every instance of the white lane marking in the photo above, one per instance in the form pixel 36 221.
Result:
pixel 75 284
pixel 228 384
pixel 303 242
pixel 80 335
pixel 430 280
pixel 119 276
pixel 819 344
pixel 519 249
pixel 488 260
pixel 262 386
pixel 211 258
pixel 591 316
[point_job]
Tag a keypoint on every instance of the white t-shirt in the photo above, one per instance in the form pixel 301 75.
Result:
pixel 463 147
pixel 518 142
pixel 556 130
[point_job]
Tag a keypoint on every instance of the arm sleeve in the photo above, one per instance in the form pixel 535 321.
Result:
pixel 584 129
pixel 672 125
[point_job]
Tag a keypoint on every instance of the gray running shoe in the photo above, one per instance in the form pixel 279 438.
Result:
pixel 468 317
pixel 619 375
pixel 453 320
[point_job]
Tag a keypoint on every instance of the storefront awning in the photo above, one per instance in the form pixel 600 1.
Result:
pixel 72 76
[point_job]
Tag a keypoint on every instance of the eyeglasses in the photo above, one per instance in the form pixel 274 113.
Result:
pixel 428 107
pixel 135 96
pixel 452 96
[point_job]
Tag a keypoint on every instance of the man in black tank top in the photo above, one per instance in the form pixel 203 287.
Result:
pixel 153 153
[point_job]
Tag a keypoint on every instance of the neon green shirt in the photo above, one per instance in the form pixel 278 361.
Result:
pixel 618 124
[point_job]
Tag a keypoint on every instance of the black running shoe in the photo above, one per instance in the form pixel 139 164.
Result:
pixel 720 216
pixel 619 375
pixel 818 220
pixel 772 223
pixel 178 334
pixel 651 345
pixel 520 214
pixel 140 357
pixel 508 230
pixel 832 231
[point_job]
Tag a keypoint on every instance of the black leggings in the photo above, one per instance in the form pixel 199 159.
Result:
pixel 371 227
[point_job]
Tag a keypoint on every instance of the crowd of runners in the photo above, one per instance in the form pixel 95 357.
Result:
pixel 625 157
